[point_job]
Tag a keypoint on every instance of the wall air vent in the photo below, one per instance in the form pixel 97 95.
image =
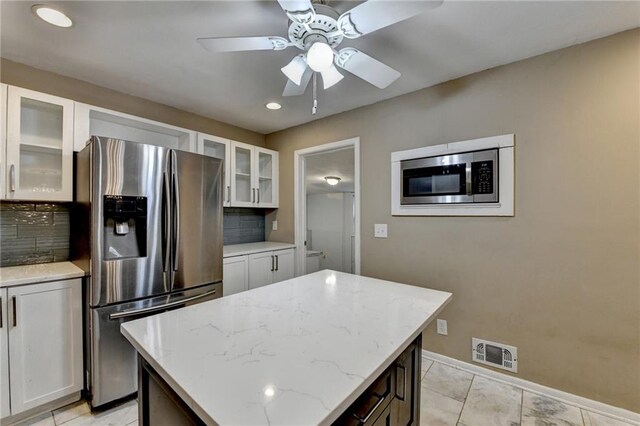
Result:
pixel 494 354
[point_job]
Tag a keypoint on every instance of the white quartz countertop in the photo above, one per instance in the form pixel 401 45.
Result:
pixel 42 272
pixel 296 352
pixel 251 248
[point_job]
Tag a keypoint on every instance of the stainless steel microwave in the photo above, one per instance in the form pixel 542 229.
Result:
pixel 469 177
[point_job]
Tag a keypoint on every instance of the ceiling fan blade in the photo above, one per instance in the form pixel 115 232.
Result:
pixel 243 44
pixel 292 89
pixel 375 14
pixel 366 67
pixel 331 77
pixel 300 11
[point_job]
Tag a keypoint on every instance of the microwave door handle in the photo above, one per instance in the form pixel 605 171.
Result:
pixel 468 173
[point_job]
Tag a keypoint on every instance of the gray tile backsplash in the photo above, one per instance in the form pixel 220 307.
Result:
pixel 33 233
pixel 243 225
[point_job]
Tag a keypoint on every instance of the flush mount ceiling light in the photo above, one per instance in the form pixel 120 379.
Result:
pixel 273 106
pixel 332 180
pixel 318 30
pixel 51 16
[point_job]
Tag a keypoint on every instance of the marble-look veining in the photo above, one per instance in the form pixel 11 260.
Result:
pixel 491 403
pixel 29 274
pixel 448 381
pixel 437 409
pixel 297 352
pixel 252 248
pixel 539 410
pixel 595 419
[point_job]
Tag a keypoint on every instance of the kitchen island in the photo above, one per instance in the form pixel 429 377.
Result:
pixel 316 349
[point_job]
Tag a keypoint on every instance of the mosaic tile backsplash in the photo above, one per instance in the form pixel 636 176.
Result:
pixel 243 225
pixel 33 233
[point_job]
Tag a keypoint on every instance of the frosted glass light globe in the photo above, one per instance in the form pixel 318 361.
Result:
pixel 320 57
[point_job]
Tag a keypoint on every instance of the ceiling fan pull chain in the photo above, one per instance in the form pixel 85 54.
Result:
pixel 314 108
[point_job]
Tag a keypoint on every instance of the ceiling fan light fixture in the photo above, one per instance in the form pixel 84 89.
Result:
pixel 295 69
pixel 51 16
pixel 331 76
pixel 332 180
pixel 320 57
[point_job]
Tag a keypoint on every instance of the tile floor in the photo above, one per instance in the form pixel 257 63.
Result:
pixel 449 397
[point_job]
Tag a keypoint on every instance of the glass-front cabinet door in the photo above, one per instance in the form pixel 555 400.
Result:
pixel 39 162
pixel 216 147
pixel 266 179
pixel 243 191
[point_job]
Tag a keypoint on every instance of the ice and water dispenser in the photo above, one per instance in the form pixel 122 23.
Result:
pixel 125 227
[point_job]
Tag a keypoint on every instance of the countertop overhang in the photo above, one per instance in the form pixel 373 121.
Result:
pixel 251 248
pixel 296 352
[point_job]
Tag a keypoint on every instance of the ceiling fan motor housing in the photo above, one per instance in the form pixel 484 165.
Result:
pixel 323 28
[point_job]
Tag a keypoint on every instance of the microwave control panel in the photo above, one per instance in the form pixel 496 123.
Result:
pixel 482 177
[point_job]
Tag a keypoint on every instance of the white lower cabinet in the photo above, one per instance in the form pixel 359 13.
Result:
pixel 235 275
pixel 4 356
pixel 270 267
pixel 43 329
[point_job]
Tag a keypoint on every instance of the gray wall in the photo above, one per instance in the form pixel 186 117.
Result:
pixel 243 225
pixel 560 280
pixel 33 233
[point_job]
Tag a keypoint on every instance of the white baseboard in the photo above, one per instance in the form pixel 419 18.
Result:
pixel 566 397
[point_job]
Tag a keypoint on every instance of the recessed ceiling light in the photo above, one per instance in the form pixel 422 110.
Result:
pixel 51 15
pixel 273 106
pixel 332 180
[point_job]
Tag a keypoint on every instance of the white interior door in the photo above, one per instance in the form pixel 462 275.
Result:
pixel 235 275
pixel 261 266
pixel 39 146
pixel 45 342
pixel 4 356
pixel 285 262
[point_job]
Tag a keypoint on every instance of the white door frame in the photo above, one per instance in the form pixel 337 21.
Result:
pixel 300 198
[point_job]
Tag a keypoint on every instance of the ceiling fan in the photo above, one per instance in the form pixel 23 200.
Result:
pixel 317 29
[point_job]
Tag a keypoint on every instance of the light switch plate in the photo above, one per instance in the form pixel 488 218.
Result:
pixel 380 230
pixel 274 225
pixel 441 326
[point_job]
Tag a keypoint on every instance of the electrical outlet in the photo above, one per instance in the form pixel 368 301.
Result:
pixel 441 327
pixel 380 230
pixel 274 225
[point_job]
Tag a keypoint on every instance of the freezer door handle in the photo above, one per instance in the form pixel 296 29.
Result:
pixel 135 312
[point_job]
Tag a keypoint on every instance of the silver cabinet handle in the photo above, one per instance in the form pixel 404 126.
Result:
pixel 1 322
pixel 253 195
pixel 15 311
pixel 277 263
pixel 404 382
pixel 272 264
pixel 12 178
pixel 228 193
pixel 258 195
pixel 134 312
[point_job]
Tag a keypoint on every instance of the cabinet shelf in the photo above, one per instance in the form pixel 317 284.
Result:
pixel 45 149
pixel 243 174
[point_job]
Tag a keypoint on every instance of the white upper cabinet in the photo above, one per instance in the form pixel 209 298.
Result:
pixel 95 121
pixel 39 146
pixel 216 147
pixel 266 177
pixel 254 176
pixel 3 140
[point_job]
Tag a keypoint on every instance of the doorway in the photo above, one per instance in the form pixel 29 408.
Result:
pixel 327 207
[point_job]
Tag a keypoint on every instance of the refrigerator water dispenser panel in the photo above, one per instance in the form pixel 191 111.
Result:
pixel 125 227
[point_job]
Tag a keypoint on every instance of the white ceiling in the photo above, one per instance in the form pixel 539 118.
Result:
pixel 339 163
pixel 149 49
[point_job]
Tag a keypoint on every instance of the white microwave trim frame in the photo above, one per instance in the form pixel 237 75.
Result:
pixel 506 173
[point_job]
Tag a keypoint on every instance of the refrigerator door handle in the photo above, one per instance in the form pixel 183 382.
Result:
pixel 166 213
pixel 135 312
pixel 176 219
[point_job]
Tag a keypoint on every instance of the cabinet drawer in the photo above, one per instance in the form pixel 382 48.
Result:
pixel 373 402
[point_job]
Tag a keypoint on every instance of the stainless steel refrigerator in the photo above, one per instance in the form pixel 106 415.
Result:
pixel 147 228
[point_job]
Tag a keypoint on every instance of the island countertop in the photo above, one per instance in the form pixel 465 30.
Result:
pixel 296 352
